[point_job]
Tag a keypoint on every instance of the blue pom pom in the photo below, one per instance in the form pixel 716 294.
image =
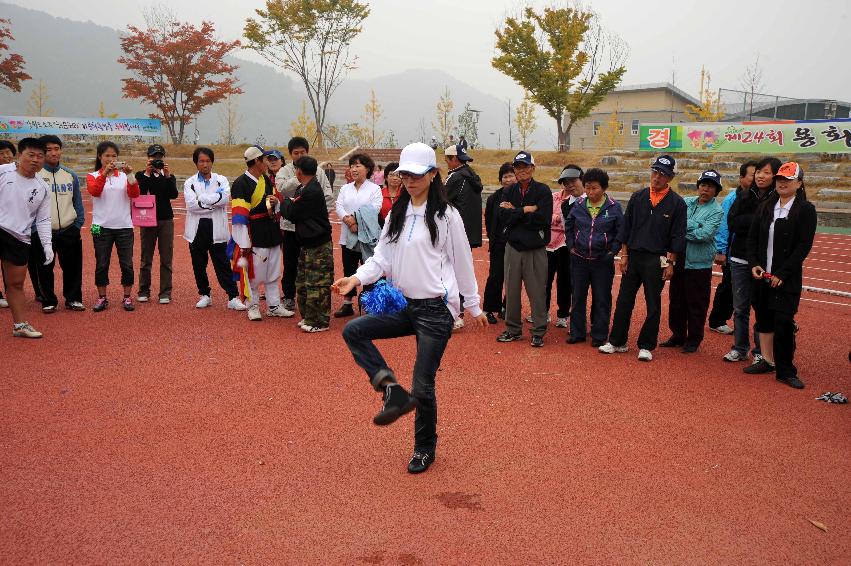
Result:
pixel 384 298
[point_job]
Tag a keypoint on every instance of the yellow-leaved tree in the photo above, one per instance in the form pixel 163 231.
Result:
pixel 304 125
pixel 37 105
pixel 525 120
pixel 445 120
pixel 611 132
pixel 371 116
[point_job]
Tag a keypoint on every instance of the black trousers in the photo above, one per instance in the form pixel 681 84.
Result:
pixel 292 249
pixel 122 239
pixel 68 249
pixel 493 301
pixel 722 305
pixel 351 261
pixel 199 249
pixel 689 300
pixel 781 323
pixel 599 275
pixel 644 270
pixel 558 268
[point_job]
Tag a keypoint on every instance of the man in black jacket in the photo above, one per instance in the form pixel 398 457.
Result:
pixel 307 210
pixel 654 239
pixel 526 213
pixel 157 180
pixel 464 192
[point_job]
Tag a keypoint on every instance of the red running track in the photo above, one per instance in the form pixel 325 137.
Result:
pixel 177 435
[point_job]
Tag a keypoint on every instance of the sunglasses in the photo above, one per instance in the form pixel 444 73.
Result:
pixel 414 176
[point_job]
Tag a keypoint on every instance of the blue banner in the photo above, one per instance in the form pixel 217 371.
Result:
pixel 40 125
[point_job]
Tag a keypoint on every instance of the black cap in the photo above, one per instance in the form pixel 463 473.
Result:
pixel 710 176
pixel 665 164
pixel 155 149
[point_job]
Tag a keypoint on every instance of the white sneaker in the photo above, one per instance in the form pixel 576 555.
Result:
pixel 25 331
pixel 164 300
pixel 458 324
pixel 734 356
pixel 561 322
pixel 142 298
pixel 254 313
pixel 204 302
pixel 313 329
pixel 609 348
pixel 723 329
pixel 4 304
pixel 645 355
pixel 236 305
pixel 279 311
pixel 301 323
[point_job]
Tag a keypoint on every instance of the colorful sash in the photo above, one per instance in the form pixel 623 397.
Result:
pixel 241 214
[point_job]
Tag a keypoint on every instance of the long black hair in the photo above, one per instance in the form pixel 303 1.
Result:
pixel 436 205
pixel 102 147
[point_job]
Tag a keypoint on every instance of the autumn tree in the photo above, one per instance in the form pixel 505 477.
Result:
pixel 709 109
pixel 610 135
pixel 565 60
pixel 371 116
pixel 102 113
pixel 303 125
pixel 37 105
pixel 468 125
pixel 178 68
pixel 229 119
pixel 445 120
pixel 312 39
pixel 11 64
pixel 525 120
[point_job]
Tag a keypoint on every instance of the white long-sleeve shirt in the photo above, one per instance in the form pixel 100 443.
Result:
pixel 207 198
pixel 23 200
pixel 425 271
pixel 351 199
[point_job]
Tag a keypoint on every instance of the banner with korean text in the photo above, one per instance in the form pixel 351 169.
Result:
pixel 34 125
pixel 812 136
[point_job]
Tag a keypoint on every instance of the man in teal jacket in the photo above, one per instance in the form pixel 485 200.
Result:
pixel 691 284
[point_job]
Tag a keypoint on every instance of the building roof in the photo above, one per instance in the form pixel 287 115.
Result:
pixel 743 115
pixel 659 86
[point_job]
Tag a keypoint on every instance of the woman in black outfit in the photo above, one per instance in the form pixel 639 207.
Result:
pixel 779 240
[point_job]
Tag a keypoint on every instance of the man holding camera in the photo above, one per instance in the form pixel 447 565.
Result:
pixel 157 180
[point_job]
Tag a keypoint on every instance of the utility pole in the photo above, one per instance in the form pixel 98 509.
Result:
pixel 510 138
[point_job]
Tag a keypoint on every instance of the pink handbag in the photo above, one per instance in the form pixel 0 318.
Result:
pixel 144 211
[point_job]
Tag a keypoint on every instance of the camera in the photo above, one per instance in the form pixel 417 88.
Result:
pixel 158 164
pixel 119 164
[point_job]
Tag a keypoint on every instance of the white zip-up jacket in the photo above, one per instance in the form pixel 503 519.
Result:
pixel 207 199
pixel 425 271
pixel 24 200
pixel 286 183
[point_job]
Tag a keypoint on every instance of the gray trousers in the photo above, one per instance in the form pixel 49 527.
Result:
pixel 528 268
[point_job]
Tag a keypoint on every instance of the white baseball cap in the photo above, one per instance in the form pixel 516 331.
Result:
pixel 253 152
pixel 417 158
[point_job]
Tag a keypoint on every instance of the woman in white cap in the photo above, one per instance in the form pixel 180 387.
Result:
pixel 423 251
pixel 779 241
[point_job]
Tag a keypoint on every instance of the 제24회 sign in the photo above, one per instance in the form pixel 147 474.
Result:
pixel 812 136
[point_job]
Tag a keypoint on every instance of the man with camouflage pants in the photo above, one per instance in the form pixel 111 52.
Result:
pixel 307 210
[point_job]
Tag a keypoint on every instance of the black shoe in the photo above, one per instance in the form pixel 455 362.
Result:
pixel 689 349
pixel 671 343
pixel 491 318
pixel 508 337
pixel 346 310
pixel 792 381
pixel 762 366
pixel 575 340
pixel 597 343
pixel 420 462
pixel 49 309
pixel 537 341
pixel 397 402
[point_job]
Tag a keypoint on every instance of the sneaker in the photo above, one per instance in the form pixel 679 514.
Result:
pixel 723 329
pixel 127 303
pixel 279 311
pixel 301 323
pixel 397 402
pixel 165 300
pixel 491 318
pixel 101 304
pixel 4 304
pixel 420 462
pixel 761 366
pixel 575 340
pixel 458 324
pixel 24 330
pixel 645 355
pixel 75 306
pixel 50 309
pixel 204 302
pixel 142 298
pixel 508 337
pixel 254 313
pixel 792 381
pixel 757 358
pixel 312 329
pixel 537 342
pixel 345 310
pixel 734 356
pixel 288 304
pixel 561 322
pixel 689 349
pixel 236 305
pixel 671 343
pixel 609 348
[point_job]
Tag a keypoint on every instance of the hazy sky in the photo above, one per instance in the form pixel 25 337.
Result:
pixel 801 44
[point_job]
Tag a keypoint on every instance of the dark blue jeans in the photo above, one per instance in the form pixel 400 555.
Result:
pixel 431 322
pixel 599 275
